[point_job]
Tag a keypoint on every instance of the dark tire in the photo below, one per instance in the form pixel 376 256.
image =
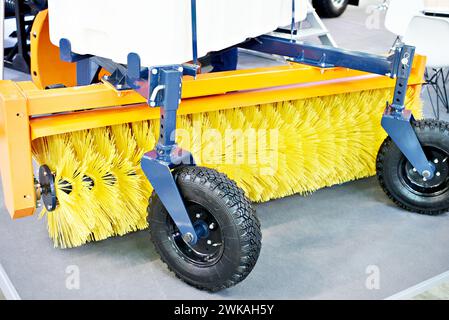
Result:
pixel 211 198
pixel 330 8
pixel 404 185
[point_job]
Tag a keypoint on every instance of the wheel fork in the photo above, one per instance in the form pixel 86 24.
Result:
pixel 397 120
pixel 162 86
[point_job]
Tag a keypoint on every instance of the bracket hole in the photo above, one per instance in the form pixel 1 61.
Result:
pixel 34 73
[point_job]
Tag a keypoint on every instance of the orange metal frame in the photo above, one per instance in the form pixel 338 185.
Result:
pixel 28 112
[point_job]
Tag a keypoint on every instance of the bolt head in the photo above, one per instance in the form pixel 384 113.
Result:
pixel 438 174
pixel 212 226
pixel 435 161
pixel 414 170
pixel 209 242
pixel 426 174
pixel 188 237
pixel 154 71
pixel 198 215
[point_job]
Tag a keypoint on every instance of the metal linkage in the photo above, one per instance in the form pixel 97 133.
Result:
pixel 321 56
pixel 396 120
pixel 85 71
pixel 162 86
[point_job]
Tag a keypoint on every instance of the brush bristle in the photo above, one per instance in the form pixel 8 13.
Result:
pixel 271 151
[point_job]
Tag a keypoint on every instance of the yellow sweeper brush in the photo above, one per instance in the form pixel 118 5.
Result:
pixel 336 143
pixel 256 134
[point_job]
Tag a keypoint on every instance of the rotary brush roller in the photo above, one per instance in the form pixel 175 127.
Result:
pixel 111 122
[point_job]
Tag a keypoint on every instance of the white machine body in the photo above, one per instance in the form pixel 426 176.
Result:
pixel 159 31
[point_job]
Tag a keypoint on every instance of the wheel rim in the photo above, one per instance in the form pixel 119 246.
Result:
pixel 338 4
pixel 209 247
pixel 417 184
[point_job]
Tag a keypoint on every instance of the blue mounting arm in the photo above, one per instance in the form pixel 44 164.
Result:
pixel 396 120
pixel 85 70
pixel 162 87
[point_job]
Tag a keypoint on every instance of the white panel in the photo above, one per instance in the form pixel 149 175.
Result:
pixel 160 30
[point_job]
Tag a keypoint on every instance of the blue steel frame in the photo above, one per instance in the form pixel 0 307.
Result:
pixel 162 86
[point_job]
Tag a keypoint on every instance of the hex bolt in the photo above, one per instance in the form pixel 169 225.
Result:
pixel 198 215
pixel 426 174
pixel 438 174
pixel 209 242
pixel 188 237
pixel 212 226
pixel 435 161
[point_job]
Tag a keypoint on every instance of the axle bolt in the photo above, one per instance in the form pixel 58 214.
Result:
pixel 188 237
pixel 426 174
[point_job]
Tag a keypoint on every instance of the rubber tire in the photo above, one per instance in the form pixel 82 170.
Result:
pixel 429 132
pixel 242 245
pixel 326 9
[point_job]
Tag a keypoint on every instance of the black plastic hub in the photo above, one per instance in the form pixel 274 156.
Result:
pixel 48 188
pixel 209 248
pixel 439 183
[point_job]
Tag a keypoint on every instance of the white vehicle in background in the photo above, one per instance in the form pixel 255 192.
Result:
pixel 332 8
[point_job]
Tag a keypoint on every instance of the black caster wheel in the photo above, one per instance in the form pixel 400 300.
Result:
pixel 228 251
pixel 406 187
pixel 330 8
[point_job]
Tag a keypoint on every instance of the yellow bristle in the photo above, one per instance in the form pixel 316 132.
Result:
pixel 69 225
pixel 271 151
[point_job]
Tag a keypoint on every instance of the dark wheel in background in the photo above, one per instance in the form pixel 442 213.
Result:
pixel 406 187
pixel 230 243
pixel 330 8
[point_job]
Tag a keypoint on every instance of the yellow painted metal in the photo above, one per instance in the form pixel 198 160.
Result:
pixel 15 152
pixel 46 66
pixel 27 112
pixel 97 118
pixel 101 95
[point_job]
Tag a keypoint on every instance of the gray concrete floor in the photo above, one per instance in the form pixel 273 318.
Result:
pixel 344 242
